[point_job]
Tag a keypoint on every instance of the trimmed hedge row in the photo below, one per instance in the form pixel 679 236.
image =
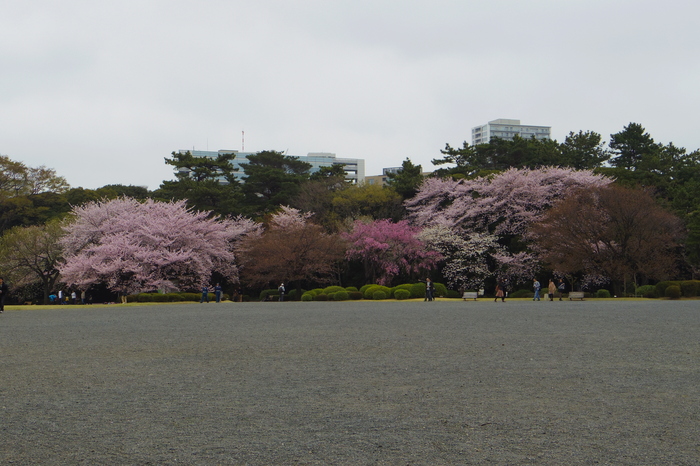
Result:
pixel 169 297
pixel 330 293
pixel 688 288
pixel 371 291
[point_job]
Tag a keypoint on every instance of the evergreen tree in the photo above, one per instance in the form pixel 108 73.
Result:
pixel 584 151
pixel 272 179
pixel 407 180
pixel 207 184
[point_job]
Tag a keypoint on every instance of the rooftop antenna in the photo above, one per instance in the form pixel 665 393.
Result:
pixel 242 141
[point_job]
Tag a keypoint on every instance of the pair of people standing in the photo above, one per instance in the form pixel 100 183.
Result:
pixel 217 293
pixel 556 288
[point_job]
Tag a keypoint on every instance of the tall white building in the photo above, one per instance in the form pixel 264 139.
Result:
pixel 354 168
pixel 507 129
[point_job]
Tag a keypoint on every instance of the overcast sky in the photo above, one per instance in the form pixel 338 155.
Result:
pixel 102 91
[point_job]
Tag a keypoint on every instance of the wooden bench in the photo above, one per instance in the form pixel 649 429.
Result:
pixel 576 295
pixel 470 295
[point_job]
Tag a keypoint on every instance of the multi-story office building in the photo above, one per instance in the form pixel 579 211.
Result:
pixel 382 179
pixel 354 168
pixel 508 129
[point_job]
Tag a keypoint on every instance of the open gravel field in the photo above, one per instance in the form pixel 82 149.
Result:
pixel 353 383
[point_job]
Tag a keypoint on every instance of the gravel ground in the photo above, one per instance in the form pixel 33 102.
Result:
pixel 405 383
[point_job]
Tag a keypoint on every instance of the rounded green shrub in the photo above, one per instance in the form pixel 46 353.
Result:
pixel 292 295
pixel 378 295
pixel 351 288
pixel 273 293
pixel 646 291
pixel 402 294
pixel 164 297
pixel 307 297
pixel 453 294
pixel 363 288
pixel 404 286
pixel 333 289
pixel 521 294
pixel 341 296
pixel 418 290
pixel 440 290
pixel 369 292
pixel 355 295
pixel 661 287
pixel 321 297
pixel 673 292
pixel 602 294
pixel 191 296
pixel 689 288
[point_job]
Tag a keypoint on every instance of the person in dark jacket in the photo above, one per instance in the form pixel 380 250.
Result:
pixel 281 289
pixel 218 291
pixel 4 290
pixel 561 288
pixel 205 294
pixel 429 290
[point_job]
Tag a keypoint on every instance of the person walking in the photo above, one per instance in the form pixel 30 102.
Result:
pixel 429 290
pixel 217 292
pixel 551 289
pixel 500 291
pixel 561 288
pixel 536 285
pixel 4 290
pixel 281 290
pixel 205 294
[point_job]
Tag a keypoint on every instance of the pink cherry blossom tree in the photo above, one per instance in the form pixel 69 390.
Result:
pixel 389 249
pixel 500 207
pixel 503 204
pixel 518 267
pixel 132 246
pixel 466 256
pixel 289 217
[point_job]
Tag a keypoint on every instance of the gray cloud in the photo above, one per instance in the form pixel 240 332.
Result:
pixel 102 91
